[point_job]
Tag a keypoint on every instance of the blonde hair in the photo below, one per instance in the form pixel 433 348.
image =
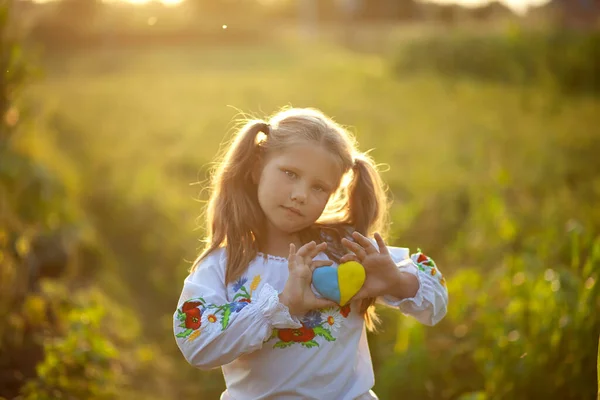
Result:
pixel 235 220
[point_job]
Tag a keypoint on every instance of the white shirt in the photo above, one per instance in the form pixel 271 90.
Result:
pixel 267 354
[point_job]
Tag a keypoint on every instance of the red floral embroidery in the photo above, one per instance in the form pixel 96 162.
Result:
pixel 321 323
pixel 427 265
pixel 191 313
pixel 422 258
pixel 190 305
pixel 193 318
pixel 345 311
pixel 302 334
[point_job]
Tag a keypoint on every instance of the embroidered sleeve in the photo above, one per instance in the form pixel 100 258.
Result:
pixel 429 305
pixel 212 331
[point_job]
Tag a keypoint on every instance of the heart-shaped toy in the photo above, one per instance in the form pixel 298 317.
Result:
pixel 339 284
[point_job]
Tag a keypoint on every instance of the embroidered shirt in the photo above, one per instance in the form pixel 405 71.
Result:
pixel 266 353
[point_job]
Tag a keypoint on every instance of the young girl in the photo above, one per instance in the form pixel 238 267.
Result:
pixel 291 195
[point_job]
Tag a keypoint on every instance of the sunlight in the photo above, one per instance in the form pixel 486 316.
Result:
pixel 164 2
pixel 168 3
pixel 519 6
pixel 171 2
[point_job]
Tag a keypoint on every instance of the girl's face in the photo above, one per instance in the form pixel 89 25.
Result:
pixel 294 186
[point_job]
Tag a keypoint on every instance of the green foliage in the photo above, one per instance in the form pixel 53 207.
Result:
pixel 521 332
pixel 564 60
pixel 23 314
pixel 93 350
pixel 82 364
pixel 55 340
pixel 13 71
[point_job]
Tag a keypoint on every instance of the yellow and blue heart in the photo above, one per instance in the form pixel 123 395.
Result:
pixel 339 284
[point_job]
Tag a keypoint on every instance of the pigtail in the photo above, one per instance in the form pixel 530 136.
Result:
pixel 234 218
pixel 367 208
pixel 367 199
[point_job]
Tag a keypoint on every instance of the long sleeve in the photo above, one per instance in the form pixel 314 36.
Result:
pixel 211 330
pixel 429 305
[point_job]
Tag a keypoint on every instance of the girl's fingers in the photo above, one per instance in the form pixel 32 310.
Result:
pixel 304 250
pixel 382 247
pixel 323 303
pixel 292 256
pixel 349 257
pixel 312 251
pixel 320 247
pixel 355 248
pixel 320 263
pixel 364 242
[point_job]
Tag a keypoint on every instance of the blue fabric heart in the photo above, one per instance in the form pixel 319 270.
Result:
pixel 325 281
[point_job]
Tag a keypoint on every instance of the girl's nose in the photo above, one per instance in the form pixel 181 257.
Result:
pixel 298 195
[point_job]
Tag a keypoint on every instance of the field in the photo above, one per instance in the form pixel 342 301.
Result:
pixel 498 183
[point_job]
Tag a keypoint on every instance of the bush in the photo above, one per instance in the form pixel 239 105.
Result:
pixel 55 342
pixel 567 60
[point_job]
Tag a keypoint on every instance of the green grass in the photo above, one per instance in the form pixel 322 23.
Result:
pixel 158 110
pixel 151 120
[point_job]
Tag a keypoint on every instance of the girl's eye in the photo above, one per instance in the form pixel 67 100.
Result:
pixel 290 173
pixel 319 189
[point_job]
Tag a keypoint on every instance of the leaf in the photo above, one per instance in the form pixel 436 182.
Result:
pixel 242 295
pixel 273 336
pixel 195 299
pixel 225 320
pixel 282 345
pixel 185 333
pixel 310 344
pixel 473 396
pixel 593 259
pixel 180 315
pixel 245 291
pixel 182 325
pixel 319 330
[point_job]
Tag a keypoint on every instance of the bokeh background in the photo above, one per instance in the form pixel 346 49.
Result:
pixel 485 115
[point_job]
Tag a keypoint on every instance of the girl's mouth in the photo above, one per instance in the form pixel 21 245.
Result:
pixel 294 211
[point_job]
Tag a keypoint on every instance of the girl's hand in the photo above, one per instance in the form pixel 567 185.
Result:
pixel 382 275
pixel 297 294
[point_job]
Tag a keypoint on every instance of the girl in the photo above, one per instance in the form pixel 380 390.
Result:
pixel 292 195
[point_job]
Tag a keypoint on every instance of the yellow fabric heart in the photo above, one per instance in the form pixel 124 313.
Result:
pixel 351 277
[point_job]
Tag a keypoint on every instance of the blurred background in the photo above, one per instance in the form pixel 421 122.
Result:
pixel 486 113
